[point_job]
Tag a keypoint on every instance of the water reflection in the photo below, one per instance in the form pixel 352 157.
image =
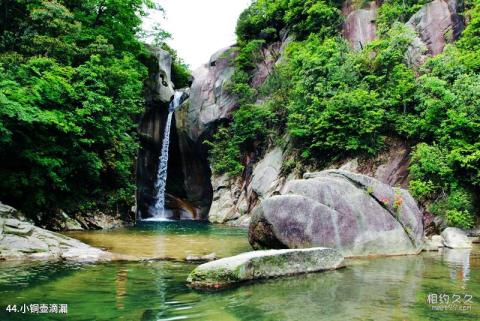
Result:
pixel 171 240
pixel 391 289
pixel 458 261
pixel 121 287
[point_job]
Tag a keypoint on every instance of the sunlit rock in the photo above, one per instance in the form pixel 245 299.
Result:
pixel 263 264
pixel 21 240
pixel 455 238
pixel 356 214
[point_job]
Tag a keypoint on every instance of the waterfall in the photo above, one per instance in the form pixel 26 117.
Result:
pixel 161 182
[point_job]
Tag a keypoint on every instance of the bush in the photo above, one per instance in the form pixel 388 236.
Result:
pixel 392 11
pixel 457 207
pixel 70 89
pixel 430 171
pixel 248 131
pixel 265 19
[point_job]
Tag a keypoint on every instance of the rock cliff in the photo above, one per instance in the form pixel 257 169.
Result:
pixel 188 184
pixel 436 24
pixel 359 27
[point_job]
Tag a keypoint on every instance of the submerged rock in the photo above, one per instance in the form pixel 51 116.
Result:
pixel 263 264
pixel 20 240
pixel 356 214
pixel 433 243
pixel 455 238
pixel 203 258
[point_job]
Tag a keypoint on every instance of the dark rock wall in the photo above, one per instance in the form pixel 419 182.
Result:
pixel 188 183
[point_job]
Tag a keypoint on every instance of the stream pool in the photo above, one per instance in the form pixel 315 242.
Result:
pixel 394 288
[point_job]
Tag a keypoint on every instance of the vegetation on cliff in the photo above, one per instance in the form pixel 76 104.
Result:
pixel 70 89
pixel 337 103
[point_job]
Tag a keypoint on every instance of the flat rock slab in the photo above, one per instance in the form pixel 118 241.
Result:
pixel 21 240
pixel 264 264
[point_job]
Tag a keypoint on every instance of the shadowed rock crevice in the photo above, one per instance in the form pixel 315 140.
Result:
pixel 262 236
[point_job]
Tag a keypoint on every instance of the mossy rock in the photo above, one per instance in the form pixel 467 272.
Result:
pixel 263 264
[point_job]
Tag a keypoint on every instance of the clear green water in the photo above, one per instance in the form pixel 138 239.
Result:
pixel 394 288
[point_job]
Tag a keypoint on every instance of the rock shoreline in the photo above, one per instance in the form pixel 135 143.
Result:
pixel 21 240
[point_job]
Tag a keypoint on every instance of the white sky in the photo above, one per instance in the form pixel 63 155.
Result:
pixel 199 27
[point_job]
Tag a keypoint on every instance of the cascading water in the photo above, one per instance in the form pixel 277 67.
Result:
pixel 158 210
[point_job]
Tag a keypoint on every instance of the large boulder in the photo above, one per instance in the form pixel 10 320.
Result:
pixel 263 264
pixel 455 238
pixel 20 240
pixel 436 24
pixel 433 243
pixel 354 213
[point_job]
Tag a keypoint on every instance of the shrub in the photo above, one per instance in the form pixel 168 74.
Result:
pixel 457 207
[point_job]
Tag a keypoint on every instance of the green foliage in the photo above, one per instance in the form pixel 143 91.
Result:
pixel 266 19
pixel 434 181
pixel 337 103
pixel 180 73
pixel 263 19
pixel 70 89
pixel 471 35
pixel 430 171
pixel 305 17
pixel 251 126
pixel 457 208
pixel 392 11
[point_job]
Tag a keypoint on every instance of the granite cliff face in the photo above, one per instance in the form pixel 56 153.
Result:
pixel 188 184
pixel 436 24
pixel 359 27
pixel 211 105
pixel 209 102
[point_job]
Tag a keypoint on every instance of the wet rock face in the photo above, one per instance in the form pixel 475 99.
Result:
pixel 188 182
pixel 436 25
pixel 353 213
pixel 359 27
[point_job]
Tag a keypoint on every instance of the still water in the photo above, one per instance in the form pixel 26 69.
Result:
pixel 395 288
